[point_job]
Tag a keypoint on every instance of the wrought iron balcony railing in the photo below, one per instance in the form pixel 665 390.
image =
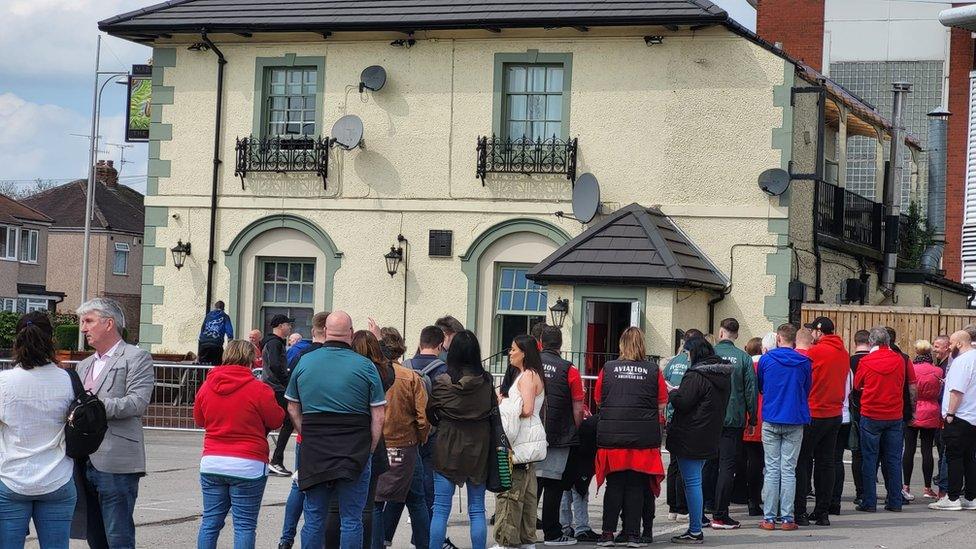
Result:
pixel 282 155
pixel 526 156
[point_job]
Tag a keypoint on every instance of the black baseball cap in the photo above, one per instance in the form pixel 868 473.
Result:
pixel 821 323
pixel 279 319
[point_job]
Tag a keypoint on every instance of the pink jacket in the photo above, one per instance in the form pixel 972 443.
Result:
pixel 928 411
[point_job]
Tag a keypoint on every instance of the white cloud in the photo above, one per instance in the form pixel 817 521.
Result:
pixel 59 36
pixel 36 141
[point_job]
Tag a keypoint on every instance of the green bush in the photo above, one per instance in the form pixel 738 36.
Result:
pixel 66 337
pixel 8 327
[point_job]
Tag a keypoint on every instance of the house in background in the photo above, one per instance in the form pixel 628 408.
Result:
pixel 116 243
pixel 23 259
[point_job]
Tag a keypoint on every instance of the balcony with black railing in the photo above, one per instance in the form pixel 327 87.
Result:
pixel 526 156
pixel 282 155
pixel 847 216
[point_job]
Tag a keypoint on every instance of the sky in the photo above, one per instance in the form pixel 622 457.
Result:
pixel 47 57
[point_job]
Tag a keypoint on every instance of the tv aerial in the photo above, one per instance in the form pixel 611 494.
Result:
pixel 373 78
pixel 586 199
pixel 347 132
pixel 774 181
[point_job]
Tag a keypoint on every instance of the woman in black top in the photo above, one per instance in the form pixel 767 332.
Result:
pixel 696 426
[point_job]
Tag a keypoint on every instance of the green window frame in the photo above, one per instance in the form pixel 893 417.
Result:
pixel 533 101
pixel 286 286
pixel 288 96
pixel 547 77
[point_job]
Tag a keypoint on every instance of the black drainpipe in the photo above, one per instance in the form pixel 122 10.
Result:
pixel 221 61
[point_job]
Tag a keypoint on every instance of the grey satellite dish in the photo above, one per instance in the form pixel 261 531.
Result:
pixel 774 181
pixel 347 132
pixel 586 198
pixel 373 78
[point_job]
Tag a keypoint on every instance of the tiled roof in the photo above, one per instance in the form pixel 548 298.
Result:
pixel 119 208
pixel 13 212
pixel 335 15
pixel 634 245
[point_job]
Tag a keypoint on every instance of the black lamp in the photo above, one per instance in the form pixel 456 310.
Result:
pixel 558 312
pixel 393 259
pixel 180 251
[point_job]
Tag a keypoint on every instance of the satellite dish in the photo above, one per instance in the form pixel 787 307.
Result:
pixel 348 132
pixel 774 181
pixel 373 78
pixel 586 198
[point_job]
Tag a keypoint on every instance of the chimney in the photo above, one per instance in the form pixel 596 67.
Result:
pixel 106 173
pixel 936 220
pixel 795 26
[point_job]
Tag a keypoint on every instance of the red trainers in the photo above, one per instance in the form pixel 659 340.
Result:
pixel 767 525
pixel 789 526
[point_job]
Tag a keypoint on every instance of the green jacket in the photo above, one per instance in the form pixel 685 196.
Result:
pixel 742 400
pixel 673 372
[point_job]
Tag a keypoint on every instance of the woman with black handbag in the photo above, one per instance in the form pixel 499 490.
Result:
pixel 35 472
pixel 460 403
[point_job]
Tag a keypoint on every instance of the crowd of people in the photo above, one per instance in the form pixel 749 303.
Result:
pixel 380 430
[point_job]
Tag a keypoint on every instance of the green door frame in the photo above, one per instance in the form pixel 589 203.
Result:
pixel 617 294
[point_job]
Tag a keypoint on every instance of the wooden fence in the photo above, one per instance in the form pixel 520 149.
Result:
pixel 910 323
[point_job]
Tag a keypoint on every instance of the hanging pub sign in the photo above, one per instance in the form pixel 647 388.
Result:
pixel 139 105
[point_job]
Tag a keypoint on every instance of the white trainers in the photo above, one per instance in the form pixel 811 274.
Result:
pixel 673 517
pixel 967 504
pixel 906 495
pixel 946 504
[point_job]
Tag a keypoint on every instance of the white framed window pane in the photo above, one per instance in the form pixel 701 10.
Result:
pixel 520 281
pixel 536 109
pixel 281 293
pixel 269 292
pixel 504 300
pixel 553 129
pixel 121 263
pixel 306 293
pixel 516 107
pixel 308 272
pixel 516 79
pixel 532 301
pixel 554 79
pixel 516 130
pixel 281 272
pixel 294 293
pixel 295 272
pixel 518 300
pixel 537 79
pixel 554 107
pixel 508 278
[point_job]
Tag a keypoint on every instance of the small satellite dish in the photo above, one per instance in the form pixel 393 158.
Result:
pixel 373 78
pixel 586 198
pixel 347 132
pixel 774 181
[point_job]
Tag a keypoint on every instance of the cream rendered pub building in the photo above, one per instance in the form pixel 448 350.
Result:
pixel 472 145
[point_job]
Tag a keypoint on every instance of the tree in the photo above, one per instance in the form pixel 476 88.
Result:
pixel 914 236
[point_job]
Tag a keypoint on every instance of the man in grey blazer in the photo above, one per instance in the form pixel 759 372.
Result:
pixel 121 375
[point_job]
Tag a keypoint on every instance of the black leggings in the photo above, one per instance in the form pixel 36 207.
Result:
pixel 630 492
pixel 754 472
pixel 908 458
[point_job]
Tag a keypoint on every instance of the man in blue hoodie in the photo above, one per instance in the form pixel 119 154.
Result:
pixel 216 326
pixel 785 378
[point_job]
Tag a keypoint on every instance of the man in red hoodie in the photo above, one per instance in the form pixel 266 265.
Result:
pixel 831 365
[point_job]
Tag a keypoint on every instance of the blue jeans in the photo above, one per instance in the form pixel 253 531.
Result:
pixel 293 507
pixel 242 497
pixel 781 448
pixel 943 480
pixel 51 513
pixel 443 495
pixel 691 474
pixel 574 512
pixel 352 496
pixel 881 440
pixel 111 500
pixel 416 505
pixel 427 457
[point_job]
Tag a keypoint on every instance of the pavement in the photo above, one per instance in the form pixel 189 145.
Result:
pixel 168 513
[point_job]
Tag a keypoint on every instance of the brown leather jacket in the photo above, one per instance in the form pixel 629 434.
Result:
pixel 406 410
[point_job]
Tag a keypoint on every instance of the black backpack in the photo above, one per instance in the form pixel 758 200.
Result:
pixel 87 422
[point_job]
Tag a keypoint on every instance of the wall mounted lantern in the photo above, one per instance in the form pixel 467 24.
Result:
pixel 180 251
pixel 558 312
pixel 393 259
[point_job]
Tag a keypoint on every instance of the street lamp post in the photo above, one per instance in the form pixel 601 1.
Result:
pixel 92 151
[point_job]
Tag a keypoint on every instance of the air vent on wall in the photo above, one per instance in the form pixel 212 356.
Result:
pixel 440 243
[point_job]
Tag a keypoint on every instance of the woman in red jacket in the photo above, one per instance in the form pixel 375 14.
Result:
pixel 237 411
pixel 927 422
